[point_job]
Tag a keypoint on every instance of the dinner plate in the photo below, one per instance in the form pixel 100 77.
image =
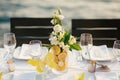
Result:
pixel 106 76
pixel 17 53
pixel 106 55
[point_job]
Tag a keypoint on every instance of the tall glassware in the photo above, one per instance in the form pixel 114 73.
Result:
pixel 116 49
pixel 86 42
pixel 9 43
pixel 35 49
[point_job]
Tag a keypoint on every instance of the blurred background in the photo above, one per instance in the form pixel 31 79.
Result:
pixel 90 9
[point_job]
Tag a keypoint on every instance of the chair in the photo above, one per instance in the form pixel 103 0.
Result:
pixel 104 31
pixel 27 29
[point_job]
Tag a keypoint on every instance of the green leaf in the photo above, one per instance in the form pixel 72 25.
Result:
pixel 66 37
pixel 75 46
pixel 77 38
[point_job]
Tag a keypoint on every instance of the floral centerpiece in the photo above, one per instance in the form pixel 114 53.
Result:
pixel 59 36
pixel 61 42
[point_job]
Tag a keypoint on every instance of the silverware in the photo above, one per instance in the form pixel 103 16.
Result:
pixel 103 67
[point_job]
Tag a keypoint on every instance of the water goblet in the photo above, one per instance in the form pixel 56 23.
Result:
pixel 86 42
pixel 35 49
pixel 9 44
pixel 116 49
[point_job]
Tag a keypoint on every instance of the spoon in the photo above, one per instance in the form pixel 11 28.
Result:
pixel 103 67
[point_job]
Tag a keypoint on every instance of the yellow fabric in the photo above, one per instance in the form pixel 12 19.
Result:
pixel 1 75
pixel 79 78
pixel 41 64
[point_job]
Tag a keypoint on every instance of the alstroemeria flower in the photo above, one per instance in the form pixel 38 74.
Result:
pixel 61 44
pixel 57 28
pixel 66 47
pixel 61 17
pixel 72 40
pixel 53 33
pixel 53 21
pixel 61 35
pixel 54 40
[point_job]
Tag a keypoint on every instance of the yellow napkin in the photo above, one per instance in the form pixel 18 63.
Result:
pixel 1 75
pixel 41 64
pixel 79 77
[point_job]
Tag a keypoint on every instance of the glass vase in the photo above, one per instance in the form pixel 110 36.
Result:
pixel 60 58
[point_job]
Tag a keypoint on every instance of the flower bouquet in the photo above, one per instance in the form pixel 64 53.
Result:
pixel 61 42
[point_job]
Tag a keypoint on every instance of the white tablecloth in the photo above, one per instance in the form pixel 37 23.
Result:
pixel 74 67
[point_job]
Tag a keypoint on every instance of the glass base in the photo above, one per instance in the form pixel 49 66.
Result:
pixel 59 72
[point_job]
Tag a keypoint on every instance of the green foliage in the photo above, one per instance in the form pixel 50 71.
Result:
pixel 75 46
pixel 66 37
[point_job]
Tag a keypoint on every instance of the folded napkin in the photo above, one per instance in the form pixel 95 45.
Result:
pixel 99 53
pixel 23 52
pixel 22 75
pixel 106 76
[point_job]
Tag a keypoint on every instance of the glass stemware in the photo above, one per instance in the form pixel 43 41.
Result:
pixel 86 43
pixel 116 49
pixel 35 49
pixel 9 43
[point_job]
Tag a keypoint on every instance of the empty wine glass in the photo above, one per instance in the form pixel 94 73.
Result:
pixel 35 49
pixel 116 49
pixel 86 43
pixel 9 43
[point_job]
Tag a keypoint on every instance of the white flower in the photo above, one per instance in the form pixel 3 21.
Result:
pixel 72 40
pixel 53 33
pixel 66 48
pixel 53 21
pixel 61 44
pixel 61 35
pixel 53 40
pixel 61 17
pixel 57 28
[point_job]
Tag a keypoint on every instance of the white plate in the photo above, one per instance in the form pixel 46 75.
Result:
pixel 106 76
pixel 16 54
pixel 106 55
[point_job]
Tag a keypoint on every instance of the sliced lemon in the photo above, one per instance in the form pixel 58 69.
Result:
pixel 62 56
pixel 56 50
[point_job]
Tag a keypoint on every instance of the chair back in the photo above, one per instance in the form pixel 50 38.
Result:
pixel 27 29
pixel 104 31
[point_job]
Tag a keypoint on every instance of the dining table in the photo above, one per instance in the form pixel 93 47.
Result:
pixel 77 64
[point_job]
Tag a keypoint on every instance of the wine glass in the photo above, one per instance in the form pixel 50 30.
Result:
pixel 86 43
pixel 116 49
pixel 9 43
pixel 35 49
